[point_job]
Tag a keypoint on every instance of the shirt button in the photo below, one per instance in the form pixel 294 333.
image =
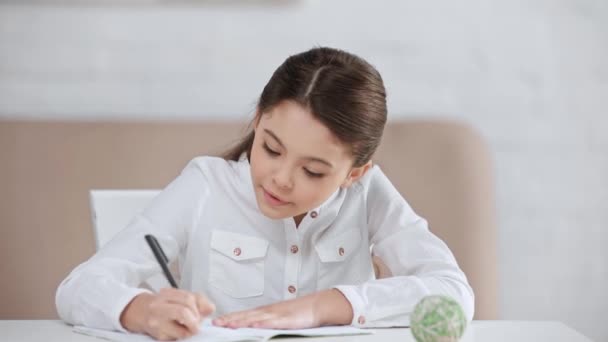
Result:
pixel 291 289
pixel 237 251
pixel 294 249
pixel 361 320
pixel 314 214
pixel 341 251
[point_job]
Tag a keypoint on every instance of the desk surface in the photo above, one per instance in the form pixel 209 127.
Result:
pixel 478 331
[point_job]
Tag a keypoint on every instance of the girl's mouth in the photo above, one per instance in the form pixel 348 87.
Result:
pixel 272 199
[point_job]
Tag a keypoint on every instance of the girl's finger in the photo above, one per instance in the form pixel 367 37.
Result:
pixel 272 323
pixel 250 320
pixel 204 305
pixel 183 316
pixel 182 298
pixel 235 316
pixel 172 331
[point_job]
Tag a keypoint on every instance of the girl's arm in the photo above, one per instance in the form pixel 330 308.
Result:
pixel 96 292
pixel 421 264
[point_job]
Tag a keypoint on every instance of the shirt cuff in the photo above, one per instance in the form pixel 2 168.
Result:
pixel 357 303
pixel 121 304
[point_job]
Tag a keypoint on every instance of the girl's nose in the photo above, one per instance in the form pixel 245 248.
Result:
pixel 282 178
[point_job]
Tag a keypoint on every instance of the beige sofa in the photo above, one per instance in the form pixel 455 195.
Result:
pixel 442 168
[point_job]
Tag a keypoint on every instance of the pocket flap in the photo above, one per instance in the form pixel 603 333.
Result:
pixel 340 247
pixel 238 246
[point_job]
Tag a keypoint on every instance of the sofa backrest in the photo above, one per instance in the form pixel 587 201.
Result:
pixel 442 168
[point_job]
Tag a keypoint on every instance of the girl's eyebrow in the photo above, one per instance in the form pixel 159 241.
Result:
pixel 274 136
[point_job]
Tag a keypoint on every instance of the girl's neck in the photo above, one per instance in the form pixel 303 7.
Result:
pixel 299 219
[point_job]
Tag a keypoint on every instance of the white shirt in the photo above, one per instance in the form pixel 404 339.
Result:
pixel 208 219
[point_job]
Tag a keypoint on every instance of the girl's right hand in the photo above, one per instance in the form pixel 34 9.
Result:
pixel 170 314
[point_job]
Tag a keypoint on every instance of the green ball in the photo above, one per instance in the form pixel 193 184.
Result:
pixel 437 319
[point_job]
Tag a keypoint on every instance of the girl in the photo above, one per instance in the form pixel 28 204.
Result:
pixel 281 232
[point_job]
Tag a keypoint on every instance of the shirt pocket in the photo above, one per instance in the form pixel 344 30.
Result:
pixel 236 264
pixel 335 258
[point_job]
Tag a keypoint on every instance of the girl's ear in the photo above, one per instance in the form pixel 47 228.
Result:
pixel 355 174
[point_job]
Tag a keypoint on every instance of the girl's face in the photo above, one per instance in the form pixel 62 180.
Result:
pixel 296 162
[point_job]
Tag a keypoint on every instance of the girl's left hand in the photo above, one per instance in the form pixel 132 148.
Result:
pixel 328 307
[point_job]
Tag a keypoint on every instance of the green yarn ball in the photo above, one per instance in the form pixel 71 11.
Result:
pixel 437 319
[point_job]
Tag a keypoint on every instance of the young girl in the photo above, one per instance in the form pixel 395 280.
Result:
pixel 283 231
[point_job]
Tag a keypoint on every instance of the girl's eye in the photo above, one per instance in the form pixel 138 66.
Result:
pixel 270 151
pixel 313 174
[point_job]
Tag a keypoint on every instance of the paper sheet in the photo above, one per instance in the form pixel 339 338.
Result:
pixel 211 333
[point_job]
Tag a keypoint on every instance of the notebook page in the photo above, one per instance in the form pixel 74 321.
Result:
pixel 211 333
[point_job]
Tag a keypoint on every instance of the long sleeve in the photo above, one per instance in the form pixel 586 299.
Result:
pixel 420 262
pixel 96 292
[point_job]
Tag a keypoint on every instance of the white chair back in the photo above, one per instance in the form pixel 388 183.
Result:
pixel 112 210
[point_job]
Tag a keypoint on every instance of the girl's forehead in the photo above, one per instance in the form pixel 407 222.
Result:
pixel 290 117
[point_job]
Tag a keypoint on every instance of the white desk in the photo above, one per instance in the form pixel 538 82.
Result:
pixel 478 331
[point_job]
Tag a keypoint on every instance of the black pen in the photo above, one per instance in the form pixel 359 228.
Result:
pixel 161 258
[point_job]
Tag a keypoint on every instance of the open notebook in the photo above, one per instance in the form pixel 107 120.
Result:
pixel 211 333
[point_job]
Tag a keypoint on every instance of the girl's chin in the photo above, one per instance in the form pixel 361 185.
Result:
pixel 274 212
pixel 274 215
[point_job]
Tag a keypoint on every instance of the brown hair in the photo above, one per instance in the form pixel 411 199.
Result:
pixel 341 90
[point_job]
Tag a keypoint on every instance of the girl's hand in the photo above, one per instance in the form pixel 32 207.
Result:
pixel 168 315
pixel 328 307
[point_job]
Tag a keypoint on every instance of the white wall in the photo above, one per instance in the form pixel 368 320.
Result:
pixel 532 76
